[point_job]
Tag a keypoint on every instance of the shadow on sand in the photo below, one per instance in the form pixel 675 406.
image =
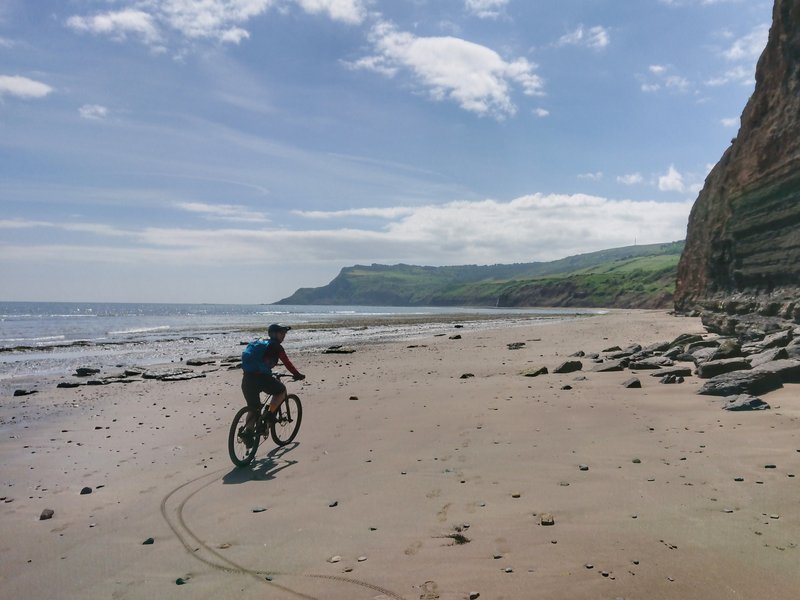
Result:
pixel 264 469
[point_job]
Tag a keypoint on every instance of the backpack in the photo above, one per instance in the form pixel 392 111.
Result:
pixel 253 357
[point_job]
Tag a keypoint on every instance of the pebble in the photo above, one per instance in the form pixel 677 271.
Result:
pixel 770 466
pixel 637 461
pixel 334 559
pixel 508 570
pixel 474 595
pixel 47 513
pixel 589 566
pixel 180 581
pixel 583 467
pixel 259 509
pixel 333 504
pixel 362 558
pixel 148 542
pixel 738 478
pixel 516 495
pixel 547 519
pixel 86 490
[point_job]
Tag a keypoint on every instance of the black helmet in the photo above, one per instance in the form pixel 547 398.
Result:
pixel 276 327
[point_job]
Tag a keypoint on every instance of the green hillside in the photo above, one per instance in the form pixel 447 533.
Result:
pixel 634 276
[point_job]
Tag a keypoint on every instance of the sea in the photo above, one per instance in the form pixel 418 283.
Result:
pixel 55 338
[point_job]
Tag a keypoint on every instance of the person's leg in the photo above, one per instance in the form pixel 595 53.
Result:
pixel 251 390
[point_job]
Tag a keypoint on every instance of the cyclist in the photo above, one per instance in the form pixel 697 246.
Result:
pixel 258 360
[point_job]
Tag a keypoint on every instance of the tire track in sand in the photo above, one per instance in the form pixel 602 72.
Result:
pixel 201 551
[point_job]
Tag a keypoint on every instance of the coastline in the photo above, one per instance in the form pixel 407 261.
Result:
pixel 397 454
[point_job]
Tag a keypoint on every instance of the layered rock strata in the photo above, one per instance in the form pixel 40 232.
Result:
pixel 741 265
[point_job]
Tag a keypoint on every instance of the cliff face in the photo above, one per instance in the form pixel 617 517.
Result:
pixel 742 252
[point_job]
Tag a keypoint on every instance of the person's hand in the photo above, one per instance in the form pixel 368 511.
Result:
pixel 299 377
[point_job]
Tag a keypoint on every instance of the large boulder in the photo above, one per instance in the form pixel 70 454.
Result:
pixel 718 367
pixel 742 382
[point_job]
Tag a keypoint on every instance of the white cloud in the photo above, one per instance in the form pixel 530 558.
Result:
pixel 380 213
pixel 6 43
pixel 630 179
pixel 220 20
pixel 485 9
pixel 541 112
pixel 739 74
pixel 475 77
pixel 663 77
pixel 533 227
pixel 733 122
pixel 347 11
pixel 224 212
pixel 672 181
pixel 118 25
pixel 595 37
pixel 93 111
pixel 750 46
pixel 22 87
pixel 598 176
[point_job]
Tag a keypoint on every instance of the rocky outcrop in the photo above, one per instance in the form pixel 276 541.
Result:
pixel 741 265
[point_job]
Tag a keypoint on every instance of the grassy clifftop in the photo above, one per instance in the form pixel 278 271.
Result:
pixel 632 277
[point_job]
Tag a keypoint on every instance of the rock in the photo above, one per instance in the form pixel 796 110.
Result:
pixel 547 520
pixel 578 354
pixel 633 382
pixel 728 348
pixel 776 340
pixel 569 366
pixel 25 392
pixel 516 345
pixel 583 467
pixel 455 337
pixel 467 375
pixel 685 339
pixel 86 371
pixel 180 581
pixel 787 370
pixel 68 384
pixel 197 362
pixel 718 367
pixel 767 356
pixel 333 504
pixel 258 509
pixel 149 541
pixel 742 382
pixel 47 513
pixel 474 595
pixel 86 490
pixel 655 362
pixel 675 371
pixel 536 372
pixel 744 402
pixel 608 366
pixel 658 347
pixel 334 559
pixel 566 387
pixel 338 349
pixel 613 349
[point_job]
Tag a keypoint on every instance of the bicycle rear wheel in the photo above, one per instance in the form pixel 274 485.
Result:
pixel 241 454
pixel 287 420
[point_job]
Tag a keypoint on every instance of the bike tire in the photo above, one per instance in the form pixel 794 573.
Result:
pixel 287 420
pixel 240 454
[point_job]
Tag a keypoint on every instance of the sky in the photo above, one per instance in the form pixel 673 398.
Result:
pixel 235 150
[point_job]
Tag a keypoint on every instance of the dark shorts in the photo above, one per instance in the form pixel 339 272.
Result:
pixel 255 383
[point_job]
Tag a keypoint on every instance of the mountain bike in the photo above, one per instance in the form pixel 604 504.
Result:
pixel 242 446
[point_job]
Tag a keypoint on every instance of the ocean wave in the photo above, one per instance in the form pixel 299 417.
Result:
pixel 47 338
pixel 139 330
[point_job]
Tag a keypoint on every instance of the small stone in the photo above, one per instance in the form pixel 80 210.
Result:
pixel 589 566
pixel 774 516
pixel 727 510
pixel 180 581
pixel 86 490
pixel 508 570
pixel 474 595
pixel 547 520
pixel 633 382
pixel 334 559
pixel 149 541
pixel 362 558
pixel 224 546
pixel 353 397
pixel 605 573
pixel 47 513
pixel 637 461
pixel 259 509
pixel 738 478
pixel 333 504
pixel 516 495
pixel 770 467
pixel 583 467
pixel 466 375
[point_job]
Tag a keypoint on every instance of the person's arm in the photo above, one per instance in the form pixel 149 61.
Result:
pixel 288 364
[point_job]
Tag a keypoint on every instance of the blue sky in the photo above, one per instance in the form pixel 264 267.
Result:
pixel 235 150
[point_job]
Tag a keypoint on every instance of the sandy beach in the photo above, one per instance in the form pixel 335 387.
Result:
pixel 407 481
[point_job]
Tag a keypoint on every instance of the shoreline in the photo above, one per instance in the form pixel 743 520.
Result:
pixel 21 366
pixel 398 456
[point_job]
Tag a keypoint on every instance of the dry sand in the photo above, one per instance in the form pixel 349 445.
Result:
pixel 411 454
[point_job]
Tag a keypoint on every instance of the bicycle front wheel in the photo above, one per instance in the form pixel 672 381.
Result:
pixel 242 446
pixel 287 420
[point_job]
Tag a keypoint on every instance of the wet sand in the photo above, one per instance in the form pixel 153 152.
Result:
pixel 423 484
